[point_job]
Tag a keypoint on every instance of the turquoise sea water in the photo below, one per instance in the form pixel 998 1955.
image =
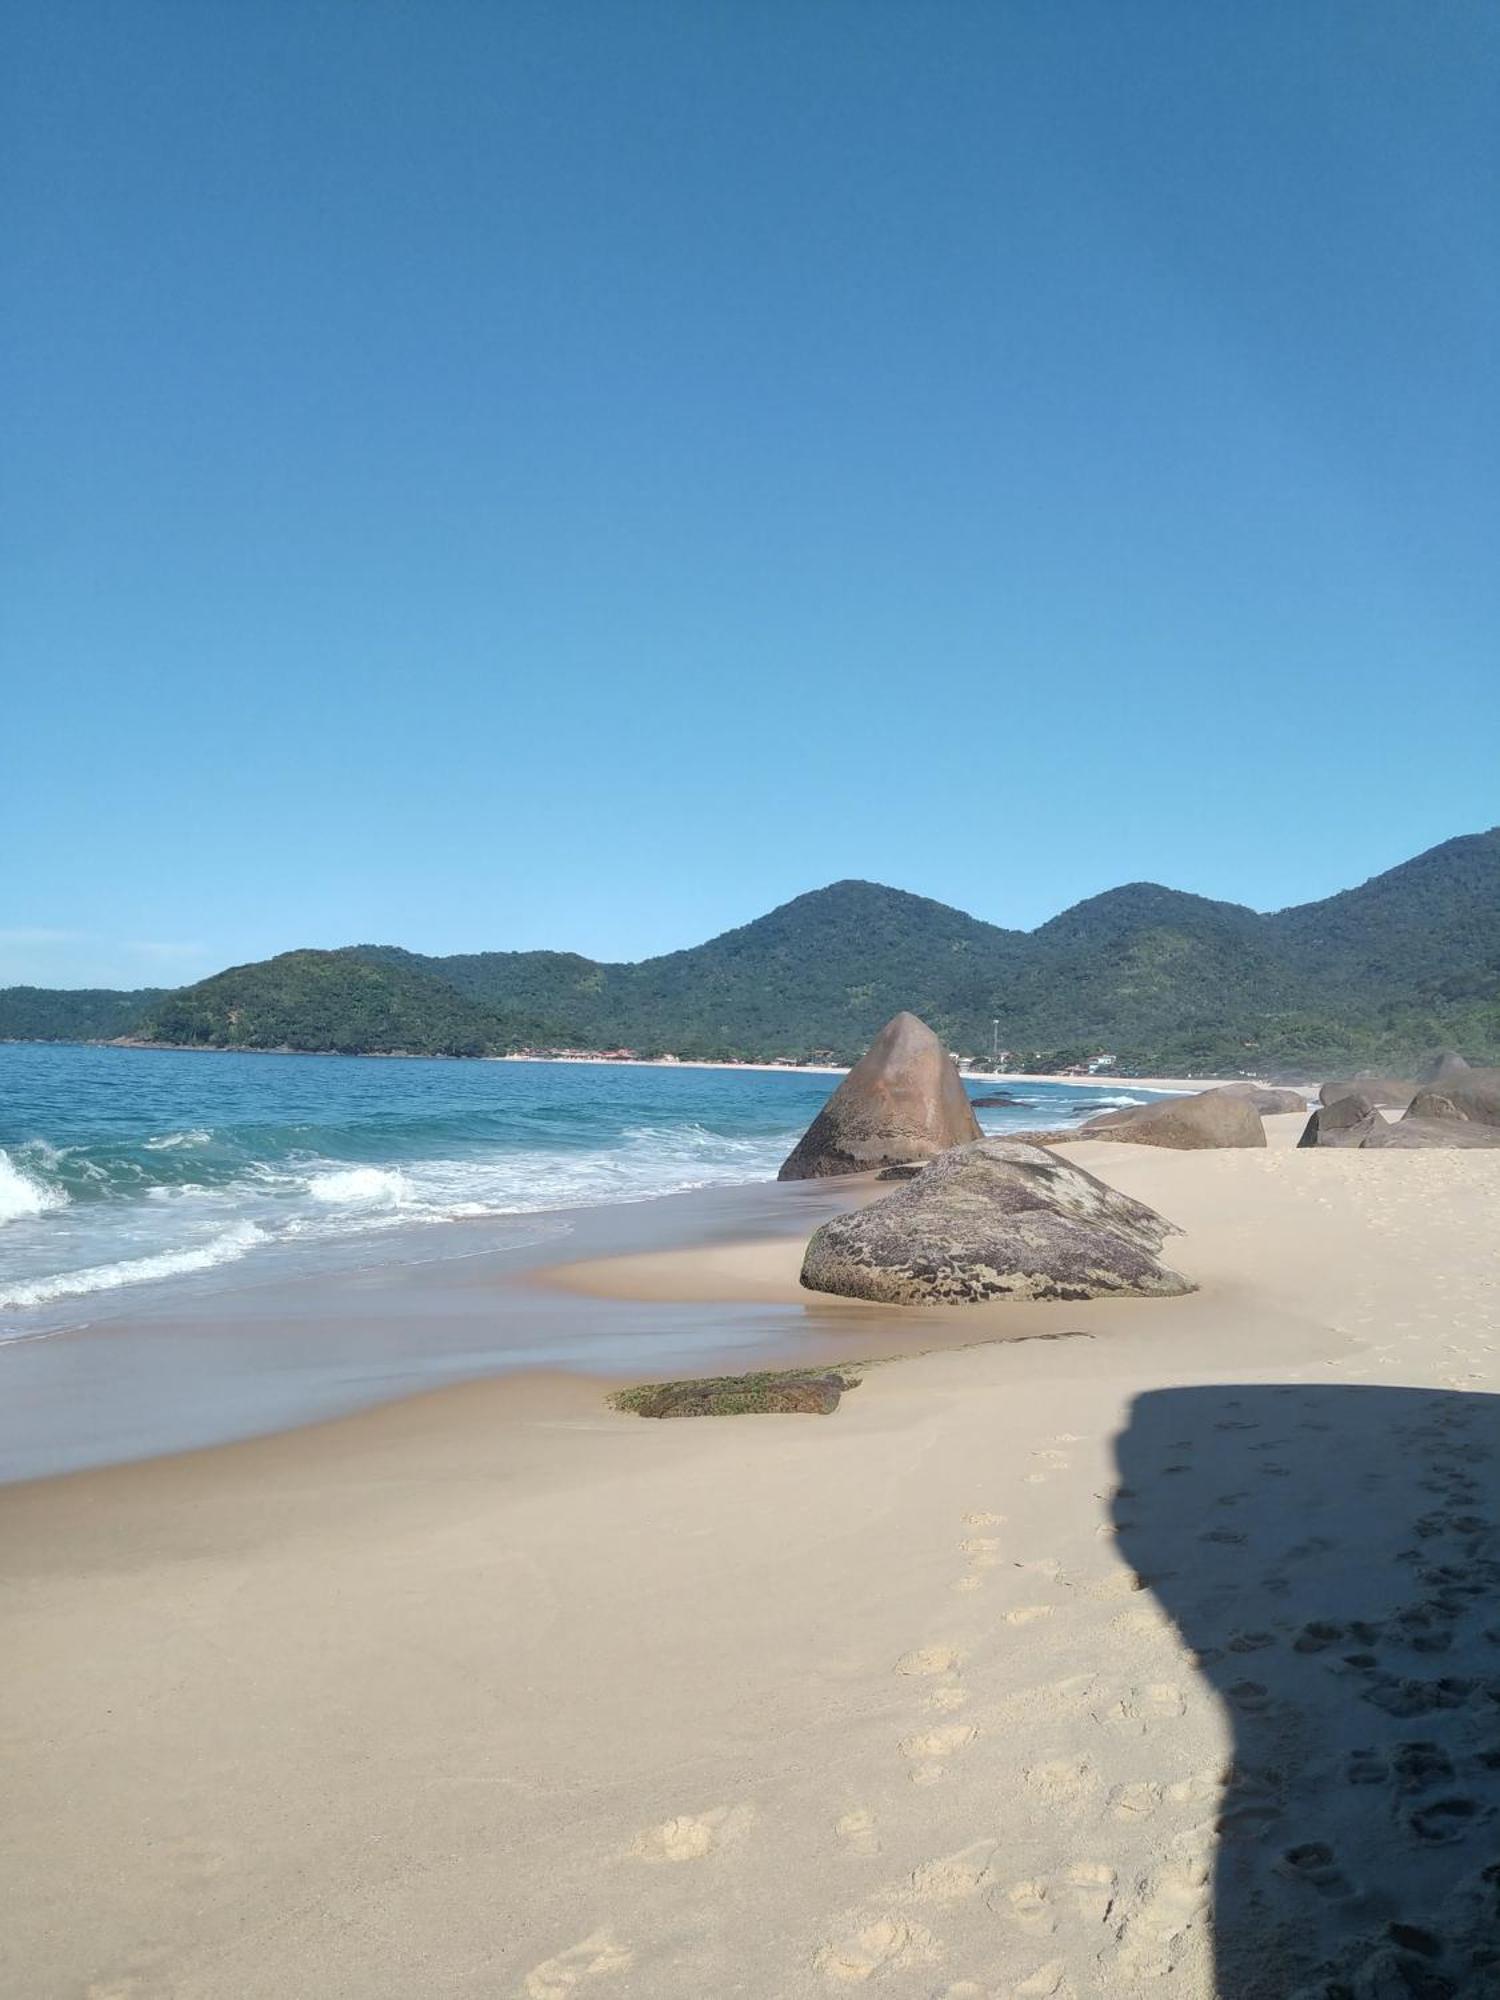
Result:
pixel 123 1170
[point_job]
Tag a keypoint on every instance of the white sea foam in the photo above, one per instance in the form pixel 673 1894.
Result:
pixel 172 1142
pixel 21 1196
pixel 366 1186
pixel 225 1248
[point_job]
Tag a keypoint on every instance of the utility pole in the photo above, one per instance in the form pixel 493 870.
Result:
pixel 994 1043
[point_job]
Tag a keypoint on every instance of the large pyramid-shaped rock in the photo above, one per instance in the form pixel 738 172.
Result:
pixel 997 1220
pixel 903 1100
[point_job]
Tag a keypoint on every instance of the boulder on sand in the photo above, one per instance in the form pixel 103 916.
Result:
pixel 1410 1133
pixel 1270 1100
pixel 1391 1093
pixel 1212 1118
pixel 994 1220
pixel 1449 1063
pixel 1463 1097
pixel 1348 1121
pixel 903 1100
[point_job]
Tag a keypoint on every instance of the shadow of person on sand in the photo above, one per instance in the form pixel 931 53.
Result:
pixel 1331 1557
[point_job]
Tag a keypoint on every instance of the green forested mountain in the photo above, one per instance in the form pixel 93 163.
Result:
pixel 335 1001
pixel 71 1013
pixel 1384 973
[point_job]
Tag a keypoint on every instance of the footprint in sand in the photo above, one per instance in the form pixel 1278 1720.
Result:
pixel 953 1877
pixel 559 1978
pixel 692 1835
pixel 1314 1864
pixel 1135 1801
pixel 1144 1623
pixel 1119 1583
pixel 930 1747
pixel 1158 1701
pixel 858 1832
pixel 1028 1614
pixel 930 1660
pixel 1143 1799
pixel 1028 1904
pixel 880 1946
pixel 982 1518
pixel 1048 1568
pixel 1091 1889
pixel 944 1700
pixel 983 1551
pixel 1066 1781
pixel 1166 1911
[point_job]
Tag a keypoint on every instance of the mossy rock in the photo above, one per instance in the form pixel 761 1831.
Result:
pixel 790 1392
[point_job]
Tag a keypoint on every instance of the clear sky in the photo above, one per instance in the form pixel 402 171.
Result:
pixel 486 474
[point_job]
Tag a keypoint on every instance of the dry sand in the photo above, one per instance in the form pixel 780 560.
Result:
pixel 1157 1659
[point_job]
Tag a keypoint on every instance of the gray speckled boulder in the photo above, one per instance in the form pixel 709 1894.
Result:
pixel 1211 1118
pixel 1348 1121
pixel 903 1100
pixel 992 1221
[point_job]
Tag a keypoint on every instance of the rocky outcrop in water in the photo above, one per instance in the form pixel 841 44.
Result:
pixel 994 1220
pixel 903 1100
pixel 1211 1118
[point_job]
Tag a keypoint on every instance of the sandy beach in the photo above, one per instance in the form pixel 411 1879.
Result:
pixel 1100 1649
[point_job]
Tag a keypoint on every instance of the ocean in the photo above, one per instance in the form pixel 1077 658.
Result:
pixel 127 1175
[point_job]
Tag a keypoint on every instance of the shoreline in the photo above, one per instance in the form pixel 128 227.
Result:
pixel 191 1364
pixel 585 1061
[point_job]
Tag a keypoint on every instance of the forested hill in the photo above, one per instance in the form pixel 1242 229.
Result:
pixel 335 1002
pixel 1384 973
pixel 73 1013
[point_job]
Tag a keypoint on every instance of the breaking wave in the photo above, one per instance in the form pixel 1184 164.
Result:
pixel 120 1169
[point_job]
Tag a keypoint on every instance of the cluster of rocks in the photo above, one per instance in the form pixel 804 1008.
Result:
pixel 976 1218
pixel 1448 1105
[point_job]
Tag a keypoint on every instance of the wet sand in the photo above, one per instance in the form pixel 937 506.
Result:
pixel 1157 1659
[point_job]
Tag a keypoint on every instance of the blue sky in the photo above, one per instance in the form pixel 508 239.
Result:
pixel 579 475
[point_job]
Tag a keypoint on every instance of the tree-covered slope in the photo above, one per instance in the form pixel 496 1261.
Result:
pixel 333 1001
pixel 72 1014
pixel 1383 974
pixel 821 973
pixel 1430 927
